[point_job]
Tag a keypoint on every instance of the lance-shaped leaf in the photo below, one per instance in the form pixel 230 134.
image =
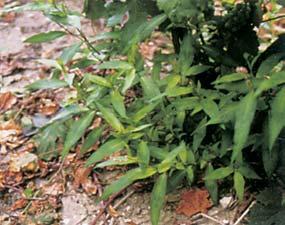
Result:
pixel 239 183
pixel 45 37
pixel 230 78
pixel 99 80
pixel 157 198
pixel 76 131
pixel 47 84
pixel 150 88
pixel 170 158
pixel 117 161
pixel 212 185
pixel 91 139
pixel 115 65
pixel 277 117
pixel 244 117
pixel 118 103
pixel 186 54
pixel 219 173
pixel 142 113
pixel 110 118
pixel 143 155
pixel 106 149
pixel 126 180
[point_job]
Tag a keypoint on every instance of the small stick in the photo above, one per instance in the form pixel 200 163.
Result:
pixel 101 212
pixel 211 218
pixel 121 201
pixel 244 213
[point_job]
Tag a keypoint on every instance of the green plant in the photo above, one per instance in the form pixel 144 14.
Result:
pixel 202 120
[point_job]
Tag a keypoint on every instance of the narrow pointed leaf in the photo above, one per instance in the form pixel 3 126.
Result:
pixel 99 80
pixel 105 150
pixel 76 131
pixel 45 37
pixel 47 84
pixel 157 198
pixel 126 180
pixel 277 118
pixel 239 183
pixel 91 139
pixel 244 117
pixel 143 155
pixel 142 113
pixel 219 173
pixel 110 118
pixel 115 65
pixel 212 185
pixel 118 103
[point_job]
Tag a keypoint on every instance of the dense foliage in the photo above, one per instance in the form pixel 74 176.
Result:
pixel 217 113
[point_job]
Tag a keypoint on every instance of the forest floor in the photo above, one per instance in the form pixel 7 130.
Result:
pixel 37 191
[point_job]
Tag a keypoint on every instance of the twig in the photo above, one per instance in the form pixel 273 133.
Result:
pixel 244 213
pixel 121 201
pixel 101 212
pixel 211 218
pixel 274 18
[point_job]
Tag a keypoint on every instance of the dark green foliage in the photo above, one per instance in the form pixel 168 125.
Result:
pixel 269 209
pixel 201 120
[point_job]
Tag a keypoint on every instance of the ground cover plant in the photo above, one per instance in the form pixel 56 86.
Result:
pixel 210 109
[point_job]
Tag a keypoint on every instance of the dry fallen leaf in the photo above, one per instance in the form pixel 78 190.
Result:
pixel 19 204
pixel 113 212
pixel 81 179
pixel 194 201
pixel 49 108
pixel 7 100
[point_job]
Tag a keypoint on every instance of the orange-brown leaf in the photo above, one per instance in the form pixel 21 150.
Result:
pixel 194 201
pixel 7 100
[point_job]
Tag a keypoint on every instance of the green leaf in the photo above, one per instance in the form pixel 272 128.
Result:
pixel 247 172
pixel 143 155
pixel 157 198
pixel 150 87
pixel 212 185
pixel 239 183
pixel 99 80
pixel 129 79
pixel 76 131
pixel 110 118
pixel 91 139
pixel 118 103
pixel 104 150
pixel 46 84
pixel 45 37
pixel 190 174
pixel 117 161
pixel 244 117
pixel 186 55
pixel 178 91
pixel 127 179
pixel 197 69
pixel 115 65
pixel 210 107
pixel 170 158
pixel 67 112
pixel 272 81
pixel 267 65
pixel 167 5
pixel 230 78
pixel 277 117
pixel 142 113
pixel 69 52
pixel 219 173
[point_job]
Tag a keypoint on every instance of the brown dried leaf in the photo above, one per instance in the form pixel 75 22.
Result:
pixel 49 109
pixel 19 204
pixel 194 201
pixel 81 179
pixel 7 100
pixel 113 211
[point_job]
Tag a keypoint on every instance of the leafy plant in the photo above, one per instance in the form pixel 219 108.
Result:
pixel 202 119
